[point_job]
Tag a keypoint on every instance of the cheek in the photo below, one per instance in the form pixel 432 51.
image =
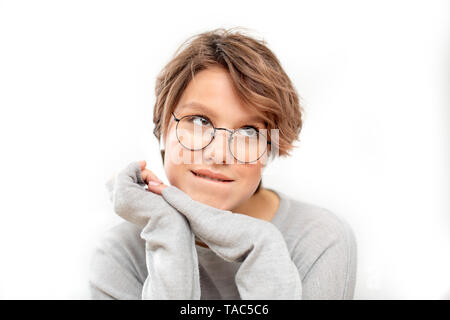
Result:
pixel 171 172
pixel 173 163
pixel 171 142
pixel 176 153
pixel 249 175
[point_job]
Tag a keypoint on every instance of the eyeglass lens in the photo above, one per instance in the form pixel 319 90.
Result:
pixel 246 144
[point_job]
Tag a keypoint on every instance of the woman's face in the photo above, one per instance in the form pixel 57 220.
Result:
pixel 212 88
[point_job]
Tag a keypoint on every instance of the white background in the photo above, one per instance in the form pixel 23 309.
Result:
pixel 77 94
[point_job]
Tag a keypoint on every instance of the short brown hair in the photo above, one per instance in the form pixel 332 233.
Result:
pixel 257 75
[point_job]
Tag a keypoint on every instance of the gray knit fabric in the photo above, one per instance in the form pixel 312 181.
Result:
pixel 171 257
pixel 305 252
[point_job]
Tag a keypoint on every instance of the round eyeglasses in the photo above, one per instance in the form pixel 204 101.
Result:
pixel 195 132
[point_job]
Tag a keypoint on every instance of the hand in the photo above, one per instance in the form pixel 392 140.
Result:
pixel 132 201
pixel 171 257
pixel 149 177
pixel 267 270
pixel 230 235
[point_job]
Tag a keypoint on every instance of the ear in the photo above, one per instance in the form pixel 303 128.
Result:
pixel 163 152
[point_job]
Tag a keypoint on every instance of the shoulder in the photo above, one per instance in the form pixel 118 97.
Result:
pixel 310 230
pixel 315 220
pixel 122 235
pixel 120 247
pixel 325 223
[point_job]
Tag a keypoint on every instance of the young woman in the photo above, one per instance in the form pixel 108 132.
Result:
pixel 223 106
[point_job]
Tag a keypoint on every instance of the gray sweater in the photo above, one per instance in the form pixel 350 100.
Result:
pixel 305 252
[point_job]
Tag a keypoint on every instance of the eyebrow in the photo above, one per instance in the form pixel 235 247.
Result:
pixel 208 111
pixel 200 107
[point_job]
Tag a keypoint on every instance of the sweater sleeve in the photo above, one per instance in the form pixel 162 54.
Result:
pixel 267 270
pixel 171 256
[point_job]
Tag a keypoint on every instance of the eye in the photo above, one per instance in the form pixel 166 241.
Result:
pixel 248 131
pixel 199 120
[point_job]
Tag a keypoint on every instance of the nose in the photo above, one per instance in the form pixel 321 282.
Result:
pixel 217 150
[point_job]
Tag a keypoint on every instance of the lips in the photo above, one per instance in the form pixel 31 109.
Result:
pixel 212 176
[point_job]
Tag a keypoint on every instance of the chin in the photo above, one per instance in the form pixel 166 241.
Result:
pixel 212 200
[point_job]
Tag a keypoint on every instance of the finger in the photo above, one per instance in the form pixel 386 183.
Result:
pixel 156 188
pixel 131 174
pixel 131 200
pixel 197 213
pixel 219 229
pixel 143 164
pixel 148 176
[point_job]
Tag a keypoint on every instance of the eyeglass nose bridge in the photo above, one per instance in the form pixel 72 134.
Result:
pixel 214 136
pixel 228 130
pixel 228 142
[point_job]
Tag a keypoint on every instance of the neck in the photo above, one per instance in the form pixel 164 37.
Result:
pixel 262 205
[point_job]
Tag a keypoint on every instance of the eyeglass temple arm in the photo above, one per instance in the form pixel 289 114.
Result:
pixel 176 119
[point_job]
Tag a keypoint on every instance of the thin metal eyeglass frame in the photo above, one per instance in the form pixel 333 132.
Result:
pixel 214 136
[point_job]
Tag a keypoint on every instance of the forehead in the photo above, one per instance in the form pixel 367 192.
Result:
pixel 212 93
pixel 212 112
